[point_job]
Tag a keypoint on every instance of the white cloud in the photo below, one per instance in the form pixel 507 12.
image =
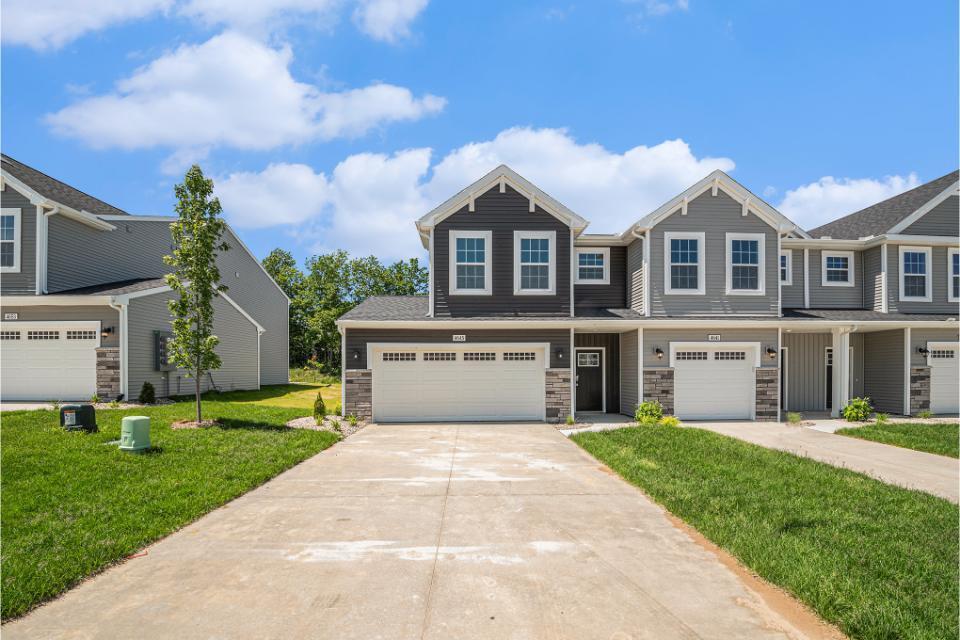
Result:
pixel 829 198
pixel 262 16
pixel 281 194
pixel 231 91
pixel 50 24
pixel 387 20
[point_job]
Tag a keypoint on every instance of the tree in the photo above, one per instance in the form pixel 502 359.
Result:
pixel 282 267
pixel 195 278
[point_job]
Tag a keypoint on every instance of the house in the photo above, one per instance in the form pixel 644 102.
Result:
pixel 714 304
pixel 85 303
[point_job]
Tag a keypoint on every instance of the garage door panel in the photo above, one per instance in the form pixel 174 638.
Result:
pixel 944 363
pixel 47 361
pixel 714 383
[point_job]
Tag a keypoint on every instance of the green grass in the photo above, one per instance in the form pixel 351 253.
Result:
pixel 315 376
pixel 878 561
pixel 293 396
pixel 943 439
pixel 73 505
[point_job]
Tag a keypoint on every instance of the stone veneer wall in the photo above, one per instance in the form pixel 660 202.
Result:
pixel 108 373
pixel 558 395
pixel 767 398
pixel 658 385
pixel 919 390
pixel 358 393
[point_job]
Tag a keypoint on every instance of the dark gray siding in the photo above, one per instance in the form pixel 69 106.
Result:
pixel 883 369
pixel 939 304
pixel 611 343
pixel 716 216
pixel 653 338
pixel 872 279
pixel 791 297
pixel 25 282
pixel 635 291
pixel 835 297
pixel 942 220
pixel 237 348
pixel 629 382
pixel 357 340
pixel 600 296
pixel 501 213
pixel 920 338
pixel 107 317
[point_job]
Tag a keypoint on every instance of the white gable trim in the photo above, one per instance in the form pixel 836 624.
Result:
pixel 37 198
pixel 901 226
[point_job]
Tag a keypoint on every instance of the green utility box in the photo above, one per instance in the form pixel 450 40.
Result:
pixel 135 433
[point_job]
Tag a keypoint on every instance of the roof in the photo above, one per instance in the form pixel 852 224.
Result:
pixel 862 315
pixel 120 287
pixel 880 218
pixel 57 191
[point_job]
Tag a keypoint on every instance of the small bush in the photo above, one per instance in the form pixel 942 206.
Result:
pixel 114 404
pixel 352 420
pixel 794 418
pixel 882 419
pixel 319 408
pixel 94 399
pixel 647 411
pixel 857 410
pixel 925 414
pixel 669 421
pixel 148 394
pixel 337 426
pixel 570 421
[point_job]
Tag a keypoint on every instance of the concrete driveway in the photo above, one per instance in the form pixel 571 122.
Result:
pixel 432 531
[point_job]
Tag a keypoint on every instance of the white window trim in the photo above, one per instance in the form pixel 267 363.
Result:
pixel 551 265
pixel 761 241
pixel 851 268
pixel 788 253
pixel 928 276
pixel 952 251
pixel 17 246
pixel 701 262
pixel 487 262
pixel 605 252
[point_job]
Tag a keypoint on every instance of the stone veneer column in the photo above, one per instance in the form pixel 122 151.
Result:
pixel 558 395
pixel 358 394
pixel 919 390
pixel 108 373
pixel 658 385
pixel 767 398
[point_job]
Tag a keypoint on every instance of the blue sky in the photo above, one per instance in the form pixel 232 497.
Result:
pixel 335 123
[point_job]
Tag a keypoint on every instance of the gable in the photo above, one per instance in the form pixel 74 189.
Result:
pixel 715 213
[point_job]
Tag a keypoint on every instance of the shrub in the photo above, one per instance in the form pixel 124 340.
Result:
pixel 148 394
pixel 651 410
pixel 857 410
pixel 319 408
pixel 794 418
pixel 352 420
pixel 337 426
pixel 669 421
pixel 882 418
pixel 114 404
pixel 925 414
pixel 94 399
pixel 570 421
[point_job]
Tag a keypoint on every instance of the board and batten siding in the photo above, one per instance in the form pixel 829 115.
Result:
pixel 653 338
pixel 942 220
pixel 715 216
pixel 807 372
pixel 105 315
pixel 822 297
pixel 791 296
pixel 237 348
pixel 634 285
pixel 629 376
pixel 501 214
pixel 24 282
pixel 884 371
pixel 358 339
pixel 920 338
pixel 604 296
pixel 611 344
pixel 872 279
pixel 938 271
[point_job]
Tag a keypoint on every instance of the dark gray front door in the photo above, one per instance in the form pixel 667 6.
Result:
pixel 590 380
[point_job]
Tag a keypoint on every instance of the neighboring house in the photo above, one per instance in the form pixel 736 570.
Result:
pixel 85 304
pixel 715 304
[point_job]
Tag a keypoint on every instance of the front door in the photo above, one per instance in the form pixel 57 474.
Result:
pixel 589 380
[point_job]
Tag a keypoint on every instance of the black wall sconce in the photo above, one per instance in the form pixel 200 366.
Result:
pixel 355 353
pixel 558 352
pixel 659 353
pixel 923 351
pixel 771 353
pixel 106 332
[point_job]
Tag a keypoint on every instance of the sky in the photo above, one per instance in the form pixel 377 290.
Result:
pixel 335 124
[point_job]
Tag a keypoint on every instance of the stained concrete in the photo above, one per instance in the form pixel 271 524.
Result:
pixel 428 531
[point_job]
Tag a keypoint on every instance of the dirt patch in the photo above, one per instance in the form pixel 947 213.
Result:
pixel 193 424
pixel 330 423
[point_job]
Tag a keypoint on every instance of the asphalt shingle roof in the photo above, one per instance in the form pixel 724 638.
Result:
pixel 58 191
pixel 116 288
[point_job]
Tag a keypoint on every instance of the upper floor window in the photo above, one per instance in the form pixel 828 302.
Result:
pixel 786 267
pixel 10 240
pixel 953 274
pixel 534 262
pixel 470 262
pixel 593 266
pixel 836 269
pixel 684 259
pixel 745 263
pixel 915 277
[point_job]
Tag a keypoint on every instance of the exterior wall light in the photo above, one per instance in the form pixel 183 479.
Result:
pixel 923 351
pixel 106 332
pixel 356 354
pixel 659 353
pixel 559 353
pixel 771 353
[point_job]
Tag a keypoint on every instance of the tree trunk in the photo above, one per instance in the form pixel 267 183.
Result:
pixel 197 388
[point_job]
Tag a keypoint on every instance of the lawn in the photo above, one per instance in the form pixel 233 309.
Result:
pixel 878 561
pixel 73 504
pixel 943 439
pixel 293 396
pixel 312 375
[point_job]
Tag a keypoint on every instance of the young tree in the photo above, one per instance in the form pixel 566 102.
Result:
pixel 195 277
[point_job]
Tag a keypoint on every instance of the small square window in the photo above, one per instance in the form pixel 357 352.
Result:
pixel 836 269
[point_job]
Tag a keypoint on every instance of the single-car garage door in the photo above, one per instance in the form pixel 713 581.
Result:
pixel 414 383
pixel 714 382
pixel 48 360
pixel 944 377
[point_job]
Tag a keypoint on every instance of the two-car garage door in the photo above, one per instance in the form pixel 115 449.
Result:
pixel 48 360
pixel 445 382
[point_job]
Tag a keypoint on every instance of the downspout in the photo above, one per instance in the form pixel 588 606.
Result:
pixel 122 311
pixel 343 369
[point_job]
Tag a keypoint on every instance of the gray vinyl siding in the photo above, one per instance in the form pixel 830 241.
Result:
pixel 942 220
pixel 502 214
pixel 856 342
pixel 835 297
pixel 237 349
pixel 358 339
pixel 939 303
pixel 605 296
pixel 611 344
pixel 873 279
pixel 629 382
pixel 635 290
pixel 653 338
pixel 806 369
pixel 716 216
pixel 884 371
pixel 105 315
pixel 25 282
pixel 920 338
pixel 791 296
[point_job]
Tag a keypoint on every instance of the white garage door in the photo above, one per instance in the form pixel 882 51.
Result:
pixel 414 383
pixel 48 361
pixel 714 383
pixel 944 377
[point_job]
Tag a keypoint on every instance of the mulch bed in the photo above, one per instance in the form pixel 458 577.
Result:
pixel 329 424
pixel 193 424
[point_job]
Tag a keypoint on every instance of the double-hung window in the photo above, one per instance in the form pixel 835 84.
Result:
pixel 470 262
pixel 915 276
pixel 534 262
pixel 593 266
pixel 836 268
pixel 786 267
pixel 745 264
pixel 10 240
pixel 684 257
pixel 953 274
